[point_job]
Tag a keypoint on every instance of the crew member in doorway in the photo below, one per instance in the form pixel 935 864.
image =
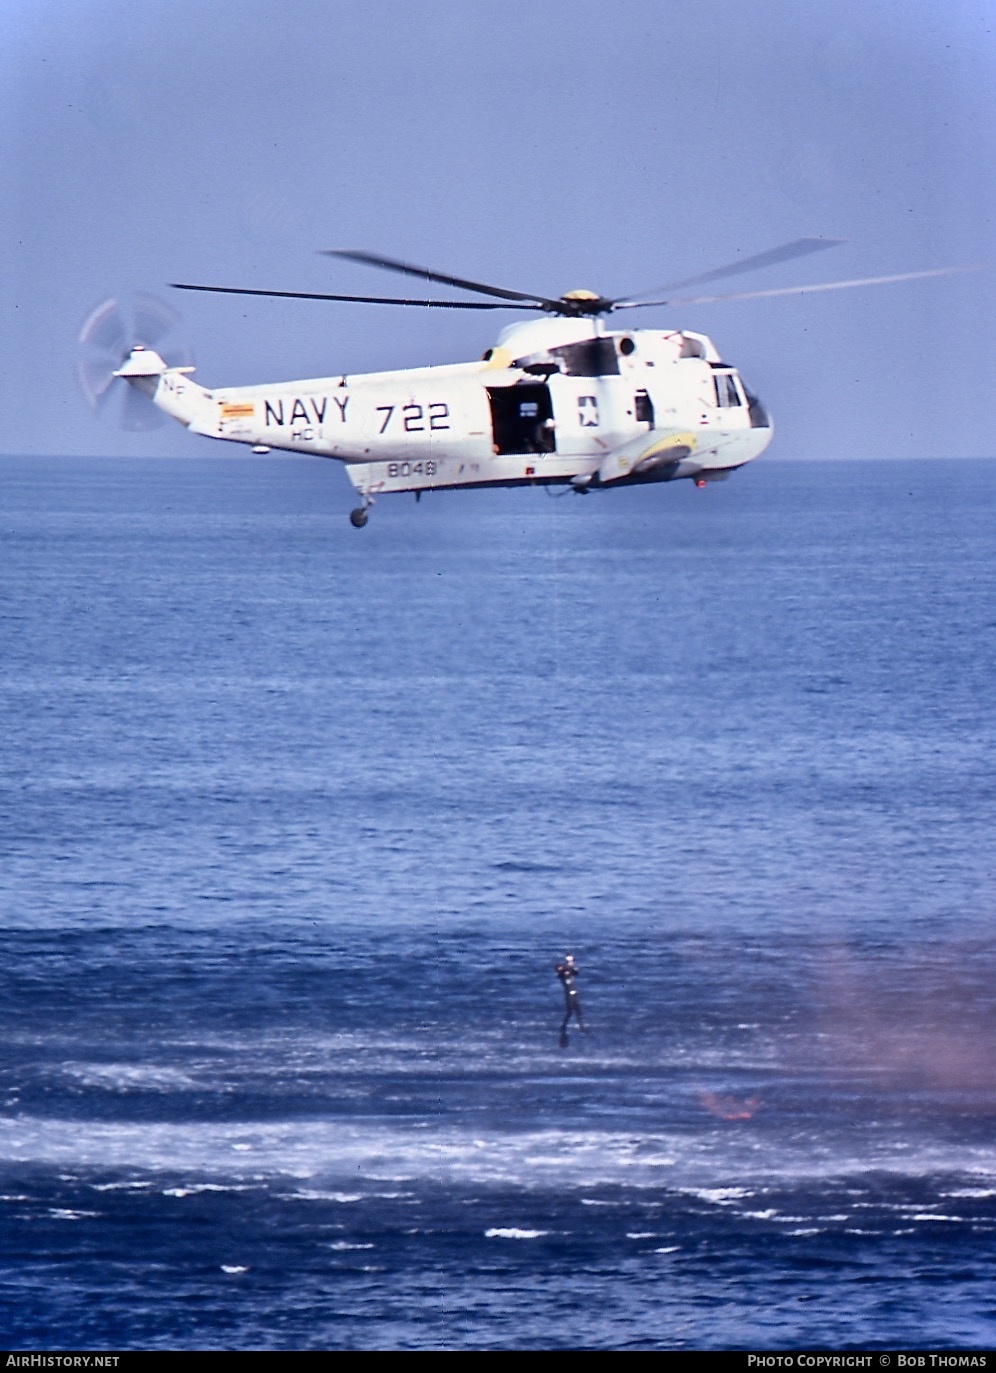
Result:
pixel 567 972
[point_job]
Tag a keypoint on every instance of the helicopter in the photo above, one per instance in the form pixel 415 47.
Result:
pixel 560 400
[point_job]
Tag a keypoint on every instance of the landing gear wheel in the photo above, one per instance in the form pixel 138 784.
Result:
pixel 358 517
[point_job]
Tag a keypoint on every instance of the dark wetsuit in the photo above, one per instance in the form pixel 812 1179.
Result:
pixel 567 972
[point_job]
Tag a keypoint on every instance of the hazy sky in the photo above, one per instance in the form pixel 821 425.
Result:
pixel 543 145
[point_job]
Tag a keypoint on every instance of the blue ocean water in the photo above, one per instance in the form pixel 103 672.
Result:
pixel 296 821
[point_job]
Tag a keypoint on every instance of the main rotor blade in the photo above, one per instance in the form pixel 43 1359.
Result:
pixel 799 247
pixel 801 290
pixel 360 300
pixel 391 264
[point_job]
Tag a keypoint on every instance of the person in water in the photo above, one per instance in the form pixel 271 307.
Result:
pixel 567 972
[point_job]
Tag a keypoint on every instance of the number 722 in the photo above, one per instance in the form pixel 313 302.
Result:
pixel 415 419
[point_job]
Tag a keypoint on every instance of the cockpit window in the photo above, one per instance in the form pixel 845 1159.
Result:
pixel 727 391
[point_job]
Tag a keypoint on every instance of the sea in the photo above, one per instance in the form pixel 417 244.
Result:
pixel 297 820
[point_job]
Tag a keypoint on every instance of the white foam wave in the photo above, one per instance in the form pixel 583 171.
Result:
pixel 314 1194
pixel 196 1188
pixel 127 1077
pixel 512 1232
pixel 720 1196
pixel 130 1186
pixel 346 1160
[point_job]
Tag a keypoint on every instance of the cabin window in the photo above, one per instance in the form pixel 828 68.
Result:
pixel 643 408
pixel 592 357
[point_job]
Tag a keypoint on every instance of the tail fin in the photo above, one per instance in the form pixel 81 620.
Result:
pixel 169 388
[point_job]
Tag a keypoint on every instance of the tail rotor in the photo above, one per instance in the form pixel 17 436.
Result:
pixel 107 336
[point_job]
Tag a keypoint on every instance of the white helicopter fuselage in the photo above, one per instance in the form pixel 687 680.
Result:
pixel 556 401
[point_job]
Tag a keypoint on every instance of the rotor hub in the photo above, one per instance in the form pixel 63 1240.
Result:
pixel 583 302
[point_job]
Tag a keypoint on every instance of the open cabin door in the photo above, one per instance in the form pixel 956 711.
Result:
pixel 522 418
